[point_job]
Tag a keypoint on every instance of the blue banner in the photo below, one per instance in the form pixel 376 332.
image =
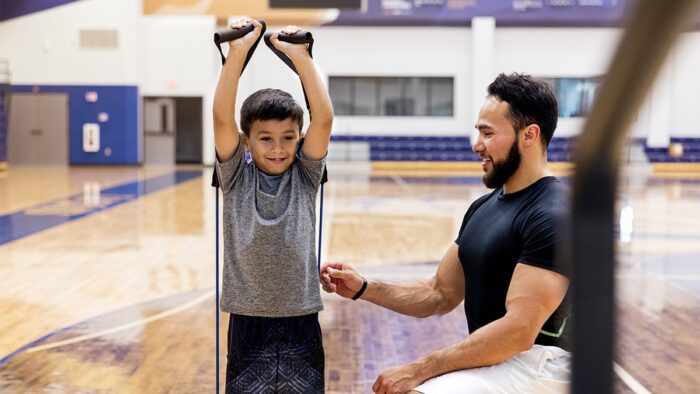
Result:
pixel 536 13
pixel 15 8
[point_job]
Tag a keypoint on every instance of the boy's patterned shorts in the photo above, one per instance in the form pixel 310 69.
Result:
pixel 275 355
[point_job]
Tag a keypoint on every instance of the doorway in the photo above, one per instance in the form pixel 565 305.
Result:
pixel 172 130
pixel 37 131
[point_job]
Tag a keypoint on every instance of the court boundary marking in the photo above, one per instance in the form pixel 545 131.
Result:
pixel 629 380
pixel 123 327
pixel 32 347
pixel 625 376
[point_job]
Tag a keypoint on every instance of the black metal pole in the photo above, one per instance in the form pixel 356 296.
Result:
pixel 652 29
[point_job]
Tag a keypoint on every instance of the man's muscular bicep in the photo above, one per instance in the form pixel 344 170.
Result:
pixel 449 280
pixel 534 294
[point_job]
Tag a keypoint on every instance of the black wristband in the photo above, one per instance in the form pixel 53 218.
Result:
pixel 362 289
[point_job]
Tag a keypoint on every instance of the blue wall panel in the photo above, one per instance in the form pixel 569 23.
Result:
pixel 120 141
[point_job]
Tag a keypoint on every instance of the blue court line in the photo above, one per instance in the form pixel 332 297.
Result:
pixel 44 216
pixel 30 345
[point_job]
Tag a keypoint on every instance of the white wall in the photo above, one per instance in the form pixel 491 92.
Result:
pixel 542 52
pixel 164 56
pixel 376 51
pixel 177 57
pixel 43 47
pixel 483 32
pixel 685 89
pixel 556 52
pixel 671 108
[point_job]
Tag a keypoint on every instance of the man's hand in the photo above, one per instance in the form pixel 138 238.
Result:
pixel 397 380
pixel 291 50
pixel 242 45
pixel 341 279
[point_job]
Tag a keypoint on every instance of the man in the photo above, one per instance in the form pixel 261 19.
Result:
pixel 502 264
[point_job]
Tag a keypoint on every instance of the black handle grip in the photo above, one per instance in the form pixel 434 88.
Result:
pixel 234 34
pixel 300 37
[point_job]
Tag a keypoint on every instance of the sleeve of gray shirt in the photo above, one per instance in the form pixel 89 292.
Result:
pixel 230 171
pixel 311 170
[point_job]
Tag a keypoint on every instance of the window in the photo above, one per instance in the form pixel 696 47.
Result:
pixel 364 98
pixel 441 94
pixel 392 96
pixel 575 95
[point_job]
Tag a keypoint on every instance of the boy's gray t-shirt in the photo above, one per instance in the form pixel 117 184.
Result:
pixel 270 266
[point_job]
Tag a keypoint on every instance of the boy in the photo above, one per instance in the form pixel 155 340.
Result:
pixel 270 278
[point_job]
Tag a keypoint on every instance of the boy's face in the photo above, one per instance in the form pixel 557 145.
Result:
pixel 273 144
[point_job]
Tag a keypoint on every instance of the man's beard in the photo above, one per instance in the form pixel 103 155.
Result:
pixel 503 171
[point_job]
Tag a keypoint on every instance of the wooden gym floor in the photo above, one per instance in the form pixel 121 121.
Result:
pixel 107 277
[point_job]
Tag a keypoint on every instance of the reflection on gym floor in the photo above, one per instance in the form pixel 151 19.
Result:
pixel 108 281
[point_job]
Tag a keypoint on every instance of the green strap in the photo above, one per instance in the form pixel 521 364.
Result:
pixel 558 334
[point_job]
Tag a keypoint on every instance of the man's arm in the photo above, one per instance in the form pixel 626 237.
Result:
pixel 534 294
pixel 225 128
pixel 419 298
pixel 319 132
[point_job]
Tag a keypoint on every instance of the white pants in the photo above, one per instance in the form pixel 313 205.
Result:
pixel 542 369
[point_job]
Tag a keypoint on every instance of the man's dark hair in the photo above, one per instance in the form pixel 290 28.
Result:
pixel 266 104
pixel 531 102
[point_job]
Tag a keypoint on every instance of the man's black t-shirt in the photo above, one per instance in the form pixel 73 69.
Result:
pixel 501 230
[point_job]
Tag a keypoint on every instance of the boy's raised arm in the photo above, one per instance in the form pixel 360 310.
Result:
pixel 225 129
pixel 319 132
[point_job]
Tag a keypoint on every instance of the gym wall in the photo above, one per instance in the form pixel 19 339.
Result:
pixel 84 46
pixel 174 56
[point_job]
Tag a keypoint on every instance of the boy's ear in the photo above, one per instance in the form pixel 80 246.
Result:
pixel 246 146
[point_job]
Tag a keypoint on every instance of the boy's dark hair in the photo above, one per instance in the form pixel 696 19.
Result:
pixel 531 102
pixel 266 104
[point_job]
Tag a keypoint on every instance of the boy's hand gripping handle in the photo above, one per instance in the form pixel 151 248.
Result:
pixel 229 34
pixel 300 37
